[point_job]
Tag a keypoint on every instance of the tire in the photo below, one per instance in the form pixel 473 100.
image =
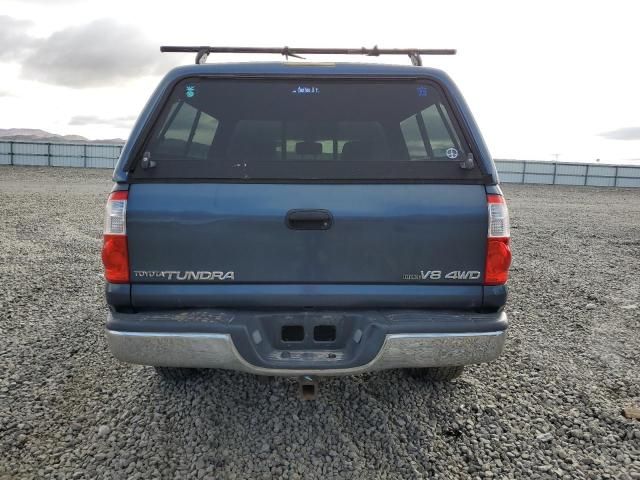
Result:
pixel 176 374
pixel 436 374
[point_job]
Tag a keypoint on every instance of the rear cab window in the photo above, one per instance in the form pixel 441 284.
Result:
pixel 306 130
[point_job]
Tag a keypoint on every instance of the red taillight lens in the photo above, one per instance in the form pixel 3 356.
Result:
pixel 498 260
pixel 498 250
pixel 115 258
pixel 115 253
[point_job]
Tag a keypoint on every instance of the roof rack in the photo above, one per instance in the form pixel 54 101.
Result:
pixel 203 52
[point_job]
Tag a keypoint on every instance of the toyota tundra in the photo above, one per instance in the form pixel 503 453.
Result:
pixel 306 219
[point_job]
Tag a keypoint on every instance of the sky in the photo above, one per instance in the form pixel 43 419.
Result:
pixel 544 79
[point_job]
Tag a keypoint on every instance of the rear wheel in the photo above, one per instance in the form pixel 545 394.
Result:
pixel 436 374
pixel 176 374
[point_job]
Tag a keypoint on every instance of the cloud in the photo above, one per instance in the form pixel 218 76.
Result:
pixel 14 39
pixel 118 122
pixel 101 53
pixel 627 133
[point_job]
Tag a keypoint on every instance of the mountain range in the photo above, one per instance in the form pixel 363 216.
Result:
pixel 37 135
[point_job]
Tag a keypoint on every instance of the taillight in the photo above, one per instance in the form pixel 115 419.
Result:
pixel 115 254
pixel 498 259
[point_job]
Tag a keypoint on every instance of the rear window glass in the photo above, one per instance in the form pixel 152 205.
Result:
pixel 306 130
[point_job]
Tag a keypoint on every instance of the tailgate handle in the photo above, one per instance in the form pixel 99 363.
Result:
pixel 309 219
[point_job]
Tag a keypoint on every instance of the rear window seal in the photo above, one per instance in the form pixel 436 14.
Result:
pixel 483 180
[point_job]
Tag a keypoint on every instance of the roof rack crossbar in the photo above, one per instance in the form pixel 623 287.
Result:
pixel 413 53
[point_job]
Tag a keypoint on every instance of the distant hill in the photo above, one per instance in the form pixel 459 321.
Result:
pixel 37 135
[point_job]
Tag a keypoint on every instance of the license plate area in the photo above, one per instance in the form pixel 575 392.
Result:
pixel 318 339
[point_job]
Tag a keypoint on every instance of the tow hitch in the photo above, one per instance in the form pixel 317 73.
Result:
pixel 308 387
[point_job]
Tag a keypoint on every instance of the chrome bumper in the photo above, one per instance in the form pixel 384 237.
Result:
pixel 216 350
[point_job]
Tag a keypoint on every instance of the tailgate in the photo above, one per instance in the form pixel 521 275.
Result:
pixel 196 234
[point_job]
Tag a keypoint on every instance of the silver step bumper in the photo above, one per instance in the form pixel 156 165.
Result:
pixel 216 350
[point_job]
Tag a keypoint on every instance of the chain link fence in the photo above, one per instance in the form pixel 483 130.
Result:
pixel 554 173
pixel 511 171
pixel 87 155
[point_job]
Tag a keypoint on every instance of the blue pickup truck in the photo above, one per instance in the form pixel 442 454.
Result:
pixel 306 219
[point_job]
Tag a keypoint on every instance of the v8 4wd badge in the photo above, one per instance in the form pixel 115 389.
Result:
pixel 438 275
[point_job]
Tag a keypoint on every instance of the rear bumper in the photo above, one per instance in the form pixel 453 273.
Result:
pixel 367 341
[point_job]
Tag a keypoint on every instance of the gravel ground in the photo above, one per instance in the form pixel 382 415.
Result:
pixel 550 407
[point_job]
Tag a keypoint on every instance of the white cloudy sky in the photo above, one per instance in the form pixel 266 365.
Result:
pixel 542 77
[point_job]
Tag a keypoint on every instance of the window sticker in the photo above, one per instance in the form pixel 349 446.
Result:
pixel 190 91
pixel 305 90
pixel 452 153
pixel 422 91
